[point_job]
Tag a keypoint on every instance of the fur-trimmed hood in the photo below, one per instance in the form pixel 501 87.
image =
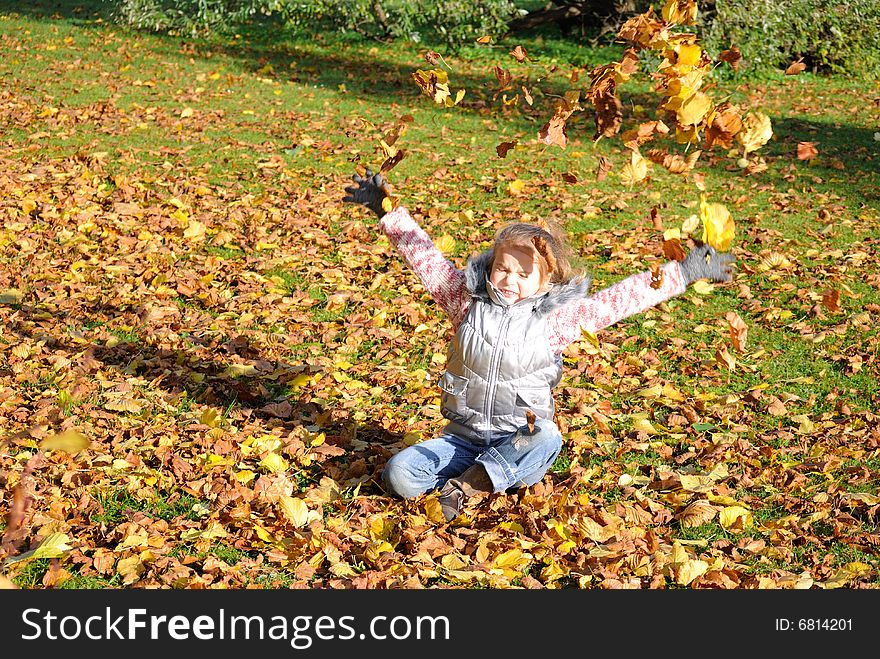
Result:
pixel 477 275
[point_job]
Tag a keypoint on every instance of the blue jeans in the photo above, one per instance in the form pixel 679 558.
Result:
pixel 514 460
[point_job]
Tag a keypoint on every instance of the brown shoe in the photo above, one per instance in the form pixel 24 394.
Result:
pixel 453 494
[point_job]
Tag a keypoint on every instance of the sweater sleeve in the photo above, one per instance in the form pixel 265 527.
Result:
pixel 627 297
pixel 444 282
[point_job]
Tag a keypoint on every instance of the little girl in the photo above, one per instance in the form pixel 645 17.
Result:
pixel 514 309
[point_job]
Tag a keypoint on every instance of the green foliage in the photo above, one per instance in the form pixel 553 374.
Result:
pixel 834 37
pixel 452 22
pixel 190 16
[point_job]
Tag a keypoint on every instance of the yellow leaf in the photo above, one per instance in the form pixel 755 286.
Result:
pixel 245 476
pixel 53 546
pixel 130 569
pixel 689 54
pixel 756 131
pixel 635 170
pixel 433 510
pixel 445 243
pixel 210 417
pixel 274 463
pixel 703 287
pixel 195 231
pixel 237 370
pixel 694 109
pixel 11 296
pixel 735 517
pixel 516 187
pixel 187 112
pixel 69 441
pixel 718 225
pixel 295 510
pixel 512 559
pixel 690 570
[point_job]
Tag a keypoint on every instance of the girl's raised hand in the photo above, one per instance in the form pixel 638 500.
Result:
pixel 369 191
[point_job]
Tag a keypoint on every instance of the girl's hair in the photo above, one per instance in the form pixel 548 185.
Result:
pixel 555 256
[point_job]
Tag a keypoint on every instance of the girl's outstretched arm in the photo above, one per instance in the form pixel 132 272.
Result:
pixel 444 282
pixel 636 294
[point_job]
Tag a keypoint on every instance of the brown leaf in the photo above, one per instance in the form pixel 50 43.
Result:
pixel 519 53
pixel 553 132
pixel 795 67
pixel 738 331
pixel 673 250
pixel 732 56
pixel 723 357
pixel 530 420
pixel 656 276
pixel 503 76
pixel 484 39
pixel 697 513
pixel 656 220
pixel 806 150
pixel 568 177
pixel 831 300
pixel 502 148
pixel 603 168
pixel 392 162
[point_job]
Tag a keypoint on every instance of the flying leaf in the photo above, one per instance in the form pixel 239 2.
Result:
pixel 718 225
pixel 795 67
pixel 732 56
pixel 484 39
pixel 635 170
pixel 738 330
pixel 756 131
pixel 603 168
pixel 69 441
pixel 502 148
pixel 519 54
pixel 694 109
pixel 673 250
pixel 806 150
pixel 445 243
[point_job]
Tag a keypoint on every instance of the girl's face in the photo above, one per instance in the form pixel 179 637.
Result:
pixel 515 272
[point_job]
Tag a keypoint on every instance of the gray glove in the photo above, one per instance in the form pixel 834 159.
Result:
pixel 369 192
pixel 704 262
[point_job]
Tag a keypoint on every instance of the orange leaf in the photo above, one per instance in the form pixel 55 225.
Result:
pixel 519 53
pixel 831 300
pixel 738 331
pixel 485 39
pixel 673 250
pixel 806 150
pixel 795 67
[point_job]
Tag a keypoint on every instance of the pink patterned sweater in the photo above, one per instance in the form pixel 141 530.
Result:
pixel 446 285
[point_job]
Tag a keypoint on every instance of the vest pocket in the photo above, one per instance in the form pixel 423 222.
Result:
pixel 453 384
pixel 536 399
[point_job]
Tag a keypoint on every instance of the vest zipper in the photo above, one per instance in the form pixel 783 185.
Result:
pixel 489 408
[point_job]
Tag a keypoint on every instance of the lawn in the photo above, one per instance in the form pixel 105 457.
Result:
pixel 206 357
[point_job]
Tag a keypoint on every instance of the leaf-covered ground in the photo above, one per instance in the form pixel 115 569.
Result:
pixel 182 289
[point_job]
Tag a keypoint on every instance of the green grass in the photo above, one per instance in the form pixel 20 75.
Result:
pixel 118 505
